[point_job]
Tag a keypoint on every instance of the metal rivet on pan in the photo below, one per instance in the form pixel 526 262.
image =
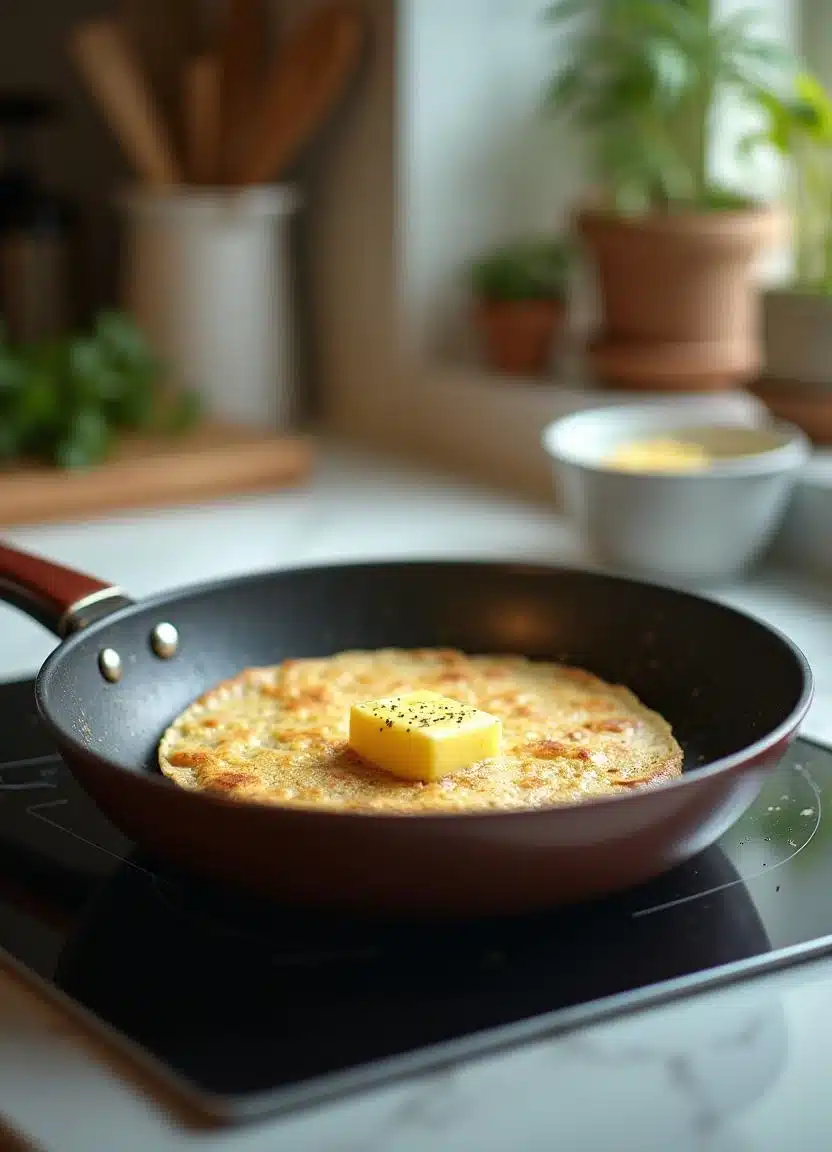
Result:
pixel 109 664
pixel 164 640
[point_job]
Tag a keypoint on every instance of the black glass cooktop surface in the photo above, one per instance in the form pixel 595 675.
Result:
pixel 252 1009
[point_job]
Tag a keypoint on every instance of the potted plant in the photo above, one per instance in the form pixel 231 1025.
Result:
pixel 520 293
pixel 797 316
pixel 674 252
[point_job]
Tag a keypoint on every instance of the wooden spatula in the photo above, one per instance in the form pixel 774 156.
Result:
pixel 201 100
pixel 104 59
pixel 242 37
pixel 163 35
pixel 308 76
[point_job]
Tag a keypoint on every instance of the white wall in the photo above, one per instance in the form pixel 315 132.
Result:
pixel 480 161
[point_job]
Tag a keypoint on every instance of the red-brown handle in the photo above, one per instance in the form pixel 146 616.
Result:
pixel 55 596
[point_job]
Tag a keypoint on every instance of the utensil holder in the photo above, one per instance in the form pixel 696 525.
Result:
pixel 207 276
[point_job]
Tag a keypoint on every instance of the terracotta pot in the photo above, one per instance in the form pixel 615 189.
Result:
pixel 797 332
pixel 519 334
pixel 796 384
pixel 680 307
pixel 809 406
pixel 704 367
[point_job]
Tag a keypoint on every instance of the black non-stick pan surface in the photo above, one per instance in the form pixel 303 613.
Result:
pixel 734 690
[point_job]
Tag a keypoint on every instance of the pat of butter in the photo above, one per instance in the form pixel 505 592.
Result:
pixel 423 735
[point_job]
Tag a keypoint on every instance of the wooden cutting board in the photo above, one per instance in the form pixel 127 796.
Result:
pixel 214 461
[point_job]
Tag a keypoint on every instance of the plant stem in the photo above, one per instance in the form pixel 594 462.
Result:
pixel 826 264
pixel 703 97
pixel 802 228
pixel 701 141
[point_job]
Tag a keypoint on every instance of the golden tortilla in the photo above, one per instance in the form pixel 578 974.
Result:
pixel 279 735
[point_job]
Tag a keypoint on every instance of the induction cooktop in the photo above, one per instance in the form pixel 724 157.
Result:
pixel 250 1009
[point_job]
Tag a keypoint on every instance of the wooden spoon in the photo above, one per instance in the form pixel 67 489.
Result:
pixel 201 99
pixel 242 38
pixel 104 59
pixel 163 35
pixel 306 80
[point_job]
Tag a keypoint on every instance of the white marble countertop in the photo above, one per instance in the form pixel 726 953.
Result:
pixel 742 1068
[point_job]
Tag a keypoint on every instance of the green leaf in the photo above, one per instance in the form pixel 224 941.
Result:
pixel 814 106
pixel 564 89
pixel 38 404
pixel 87 441
pixel 670 67
pixel 10 446
pixel 12 372
pixel 136 406
pixel 779 119
pixel 91 376
pixel 118 333
pixel 562 11
pixel 682 22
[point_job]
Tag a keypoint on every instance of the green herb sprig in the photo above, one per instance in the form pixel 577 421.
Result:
pixel 65 401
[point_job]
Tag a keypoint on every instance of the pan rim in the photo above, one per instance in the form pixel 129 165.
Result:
pixel 787 729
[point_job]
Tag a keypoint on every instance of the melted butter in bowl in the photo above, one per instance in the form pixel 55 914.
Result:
pixel 662 454
pixel 690 450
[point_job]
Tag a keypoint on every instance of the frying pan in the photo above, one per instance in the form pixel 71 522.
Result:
pixel 734 690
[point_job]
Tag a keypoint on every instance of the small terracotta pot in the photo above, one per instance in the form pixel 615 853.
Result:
pixel 519 335
pixel 797 330
pixel 680 307
pixel 809 406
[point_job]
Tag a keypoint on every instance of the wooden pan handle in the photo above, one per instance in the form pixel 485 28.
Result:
pixel 53 595
pixel 104 59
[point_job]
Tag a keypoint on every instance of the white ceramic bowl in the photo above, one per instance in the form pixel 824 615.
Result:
pixel 703 526
pixel 804 541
